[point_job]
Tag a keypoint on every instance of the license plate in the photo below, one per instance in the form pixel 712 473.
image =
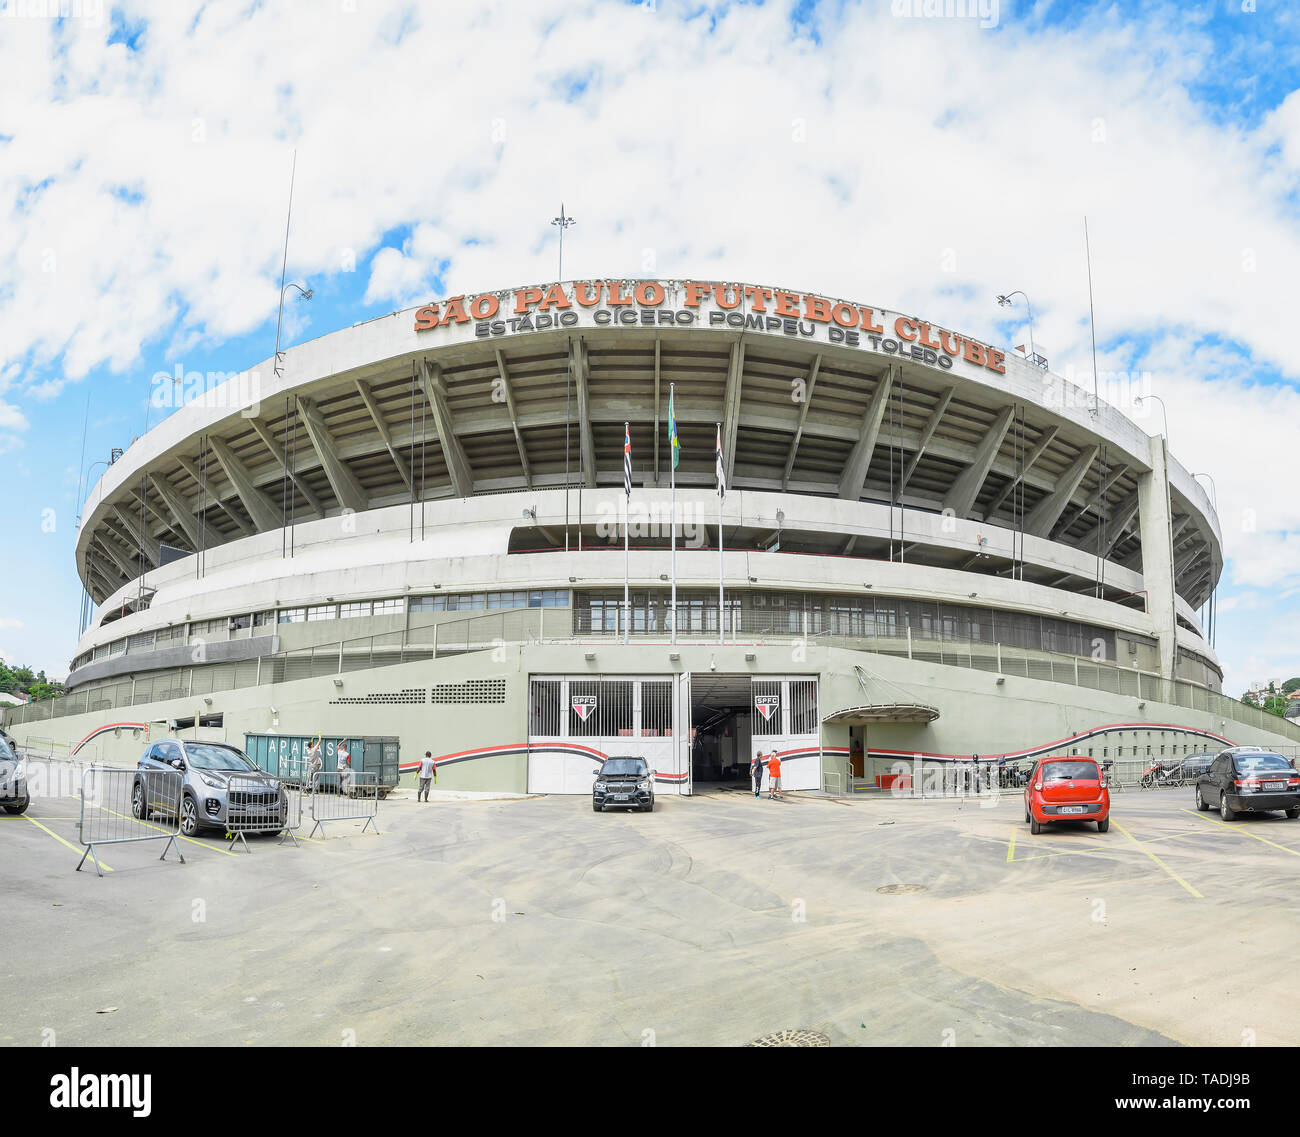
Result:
pixel 1071 809
pixel 622 797
pixel 1275 785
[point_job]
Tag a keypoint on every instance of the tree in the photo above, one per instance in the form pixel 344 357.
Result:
pixel 1291 685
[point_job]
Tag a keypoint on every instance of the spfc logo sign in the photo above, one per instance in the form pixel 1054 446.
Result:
pixel 584 706
pixel 767 705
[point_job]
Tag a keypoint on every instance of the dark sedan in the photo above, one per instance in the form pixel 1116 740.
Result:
pixel 1249 781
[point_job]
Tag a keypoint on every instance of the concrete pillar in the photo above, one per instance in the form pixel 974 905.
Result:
pixel 1154 516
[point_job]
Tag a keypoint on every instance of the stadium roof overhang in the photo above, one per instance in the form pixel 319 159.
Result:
pixel 477 395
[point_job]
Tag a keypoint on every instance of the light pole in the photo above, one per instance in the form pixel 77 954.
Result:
pixel 563 222
pixel 279 319
pixel 1164 413
pixel 1214 491
pixel 1004 301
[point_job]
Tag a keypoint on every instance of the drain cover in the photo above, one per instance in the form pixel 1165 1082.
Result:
pixel 792 1038
pixel 900 889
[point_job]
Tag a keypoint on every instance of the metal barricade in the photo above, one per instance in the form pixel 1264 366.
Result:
pixel 347 795
pixel 123 805
pixel 261 803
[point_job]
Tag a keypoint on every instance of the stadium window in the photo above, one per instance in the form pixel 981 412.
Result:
pixel 292 615
pixel 261 619
pixel 240 622
pixel 388 607
pixel 429 604
pixel 354 609
pixel 322 612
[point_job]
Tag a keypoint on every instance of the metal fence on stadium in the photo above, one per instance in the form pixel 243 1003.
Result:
pixel 344 795
pixel 261 803
pixel 125 806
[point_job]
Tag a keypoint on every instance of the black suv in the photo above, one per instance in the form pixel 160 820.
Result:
pixel 1249 779
pixel 627 783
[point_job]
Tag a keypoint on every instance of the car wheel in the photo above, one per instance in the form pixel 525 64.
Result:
pixel 21 807
pixel 1034 827
pixel 1103 825
pixel 1293 813
pixel 1225 810
pixel 1027 817
pixel 595 808
pixel 189 817
pixel 1201 803
pixel 137 801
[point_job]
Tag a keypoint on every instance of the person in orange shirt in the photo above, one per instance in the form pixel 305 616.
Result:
pixel 774 776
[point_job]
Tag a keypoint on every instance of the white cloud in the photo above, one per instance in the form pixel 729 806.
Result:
pixel 922 164
pixel 11 418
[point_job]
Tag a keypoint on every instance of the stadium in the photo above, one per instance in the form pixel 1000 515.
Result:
pixel 417 528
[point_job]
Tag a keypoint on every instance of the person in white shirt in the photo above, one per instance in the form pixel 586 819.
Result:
pixel 344 767
pixel 428 774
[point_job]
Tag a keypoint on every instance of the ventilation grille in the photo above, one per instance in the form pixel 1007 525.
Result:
pixel 471 691
pixel 405 697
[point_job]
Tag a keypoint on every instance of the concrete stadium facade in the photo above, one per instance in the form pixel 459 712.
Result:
pixel 415 527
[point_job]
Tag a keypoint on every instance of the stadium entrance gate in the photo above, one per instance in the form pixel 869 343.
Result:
pixel 575 722
pixel 732 717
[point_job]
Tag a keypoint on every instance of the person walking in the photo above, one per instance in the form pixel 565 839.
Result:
pixel 428 774
pixel 756 772
pixel 774 777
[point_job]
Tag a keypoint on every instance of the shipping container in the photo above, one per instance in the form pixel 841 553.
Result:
pixel 285 755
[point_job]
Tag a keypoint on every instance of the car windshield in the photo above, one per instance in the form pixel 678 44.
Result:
pixel 217 758
pixel 1068 771
pixel 1251 763
pixel 5 752
pixel 623 766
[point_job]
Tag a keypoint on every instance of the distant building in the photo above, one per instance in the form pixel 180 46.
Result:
pixel 9 700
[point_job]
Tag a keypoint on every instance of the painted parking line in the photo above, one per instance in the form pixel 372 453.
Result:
pixel 1240 831
pixel 1148 853
pixel 160 829
pixel 61 841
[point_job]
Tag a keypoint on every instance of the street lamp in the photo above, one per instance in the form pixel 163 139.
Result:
pixel 279 319
pixel 1005 302
pixel 1214 492
pixel 1163 411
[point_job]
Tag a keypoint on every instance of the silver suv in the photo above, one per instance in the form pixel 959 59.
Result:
pixel 206 769
pixel 13 780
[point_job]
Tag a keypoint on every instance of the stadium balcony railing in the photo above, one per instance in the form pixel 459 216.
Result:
pixel 513 626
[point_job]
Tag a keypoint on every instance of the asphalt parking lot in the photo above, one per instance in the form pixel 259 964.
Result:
pixel 715 920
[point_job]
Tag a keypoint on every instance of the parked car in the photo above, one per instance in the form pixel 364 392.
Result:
pixel 206 769
pixel 1194 765
pixel 1249 780
pixel 1067 789
pixel 13 780
pixel 628 783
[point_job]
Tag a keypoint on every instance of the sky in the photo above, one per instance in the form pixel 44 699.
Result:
pixel 921 155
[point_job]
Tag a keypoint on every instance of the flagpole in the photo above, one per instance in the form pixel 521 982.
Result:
pixel 721 494
pixel 672 508
pixel 627 509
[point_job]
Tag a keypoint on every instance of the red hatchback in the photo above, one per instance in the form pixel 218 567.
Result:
pixel 1067 789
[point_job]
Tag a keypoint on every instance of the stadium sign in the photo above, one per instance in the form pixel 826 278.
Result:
pixel 696 303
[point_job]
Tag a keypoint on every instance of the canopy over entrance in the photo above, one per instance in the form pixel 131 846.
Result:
pixel 883 712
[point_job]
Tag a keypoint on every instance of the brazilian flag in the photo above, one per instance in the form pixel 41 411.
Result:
pixel 673 444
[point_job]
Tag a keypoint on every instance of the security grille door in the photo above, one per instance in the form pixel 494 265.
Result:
pixel 784 717
pixel 683 738
pixel 575 723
